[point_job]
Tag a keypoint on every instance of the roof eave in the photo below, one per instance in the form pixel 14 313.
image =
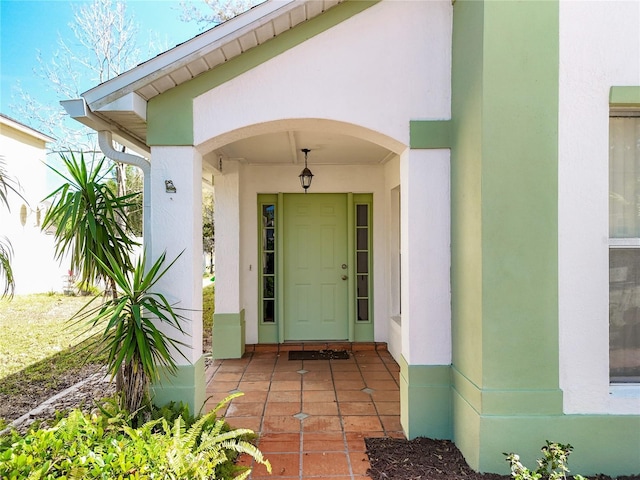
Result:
pixel 182 54
pixel 78 109
pixel 10 122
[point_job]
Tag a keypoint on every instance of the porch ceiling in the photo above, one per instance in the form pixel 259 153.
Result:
pixel 284 148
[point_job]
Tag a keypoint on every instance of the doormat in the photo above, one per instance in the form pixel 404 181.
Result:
pixel 318 355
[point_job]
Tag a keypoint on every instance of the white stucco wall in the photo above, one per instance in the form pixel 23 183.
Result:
pixel 392 192
pixel 227 221
pixel 33 264
pixel 343 74
pixel 599 48
pixel 426 257
pixel 176 229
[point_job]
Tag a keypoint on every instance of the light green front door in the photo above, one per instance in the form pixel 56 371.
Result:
pixel 315 267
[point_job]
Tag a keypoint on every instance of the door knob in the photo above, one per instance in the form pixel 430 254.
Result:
pixel 344 277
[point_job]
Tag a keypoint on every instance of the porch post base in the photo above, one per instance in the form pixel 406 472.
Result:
pixel 228 335
pixel 425 400
pixel 187 386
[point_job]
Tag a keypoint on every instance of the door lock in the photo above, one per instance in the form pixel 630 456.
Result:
pixel 344 266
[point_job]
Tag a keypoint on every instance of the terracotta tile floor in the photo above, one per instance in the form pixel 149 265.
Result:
pixel 312 416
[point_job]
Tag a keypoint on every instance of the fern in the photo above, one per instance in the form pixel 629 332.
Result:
pixel 106 445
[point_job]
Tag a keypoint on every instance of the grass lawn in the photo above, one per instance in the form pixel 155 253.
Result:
pixel 208 297
pixel 39 350
pixel 34 327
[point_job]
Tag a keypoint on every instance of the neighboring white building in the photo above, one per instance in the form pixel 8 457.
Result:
pixel 33 264
pixel 460 210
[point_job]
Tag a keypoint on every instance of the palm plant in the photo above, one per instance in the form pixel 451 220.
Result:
pixel 6 272
pixel 89 221
pixel 91 226
pixel 129 323
pixel 7 185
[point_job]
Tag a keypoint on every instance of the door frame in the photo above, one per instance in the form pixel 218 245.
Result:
pixel 273 331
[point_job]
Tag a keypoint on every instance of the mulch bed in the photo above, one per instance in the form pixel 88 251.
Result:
pixel 428 459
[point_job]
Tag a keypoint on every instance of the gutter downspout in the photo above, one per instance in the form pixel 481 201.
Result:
pixel 105 142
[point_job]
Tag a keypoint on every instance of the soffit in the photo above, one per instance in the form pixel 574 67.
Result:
pixel 206 51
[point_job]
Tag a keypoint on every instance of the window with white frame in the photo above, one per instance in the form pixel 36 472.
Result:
pixel 624 247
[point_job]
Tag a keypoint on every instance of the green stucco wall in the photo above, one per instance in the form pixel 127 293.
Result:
pixel 504 214
pixel 627 96
pixel 504 194
pixel 602 443
pixel 430 133
pixel 425 396
pixel 188 386
pixel 504 237
pixel 504 191
pixel 466 189
pixel 519 195
pixel 228 335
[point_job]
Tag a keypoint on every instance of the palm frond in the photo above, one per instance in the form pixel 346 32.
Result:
pixel 87 218
pixel 6 272
pixel 8 185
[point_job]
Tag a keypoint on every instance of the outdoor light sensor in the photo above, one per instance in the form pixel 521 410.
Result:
pixel 169 186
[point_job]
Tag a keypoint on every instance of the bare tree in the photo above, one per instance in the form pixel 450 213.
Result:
pixel 100 43
pixel 214 12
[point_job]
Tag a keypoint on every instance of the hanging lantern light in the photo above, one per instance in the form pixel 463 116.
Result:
pixel 305 176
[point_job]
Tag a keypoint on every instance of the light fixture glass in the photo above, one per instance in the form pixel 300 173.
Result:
pixel 305 176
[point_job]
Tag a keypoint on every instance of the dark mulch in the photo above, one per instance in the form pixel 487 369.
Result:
pixel 428 459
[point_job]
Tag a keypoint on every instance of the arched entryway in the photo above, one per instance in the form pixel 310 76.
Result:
pixel 303 266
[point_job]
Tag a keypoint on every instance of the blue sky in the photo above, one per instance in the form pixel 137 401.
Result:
pixel 27 26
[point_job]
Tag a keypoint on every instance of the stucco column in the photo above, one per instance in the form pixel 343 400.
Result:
pixel 426 293
pixel 176 226
pixel 228 325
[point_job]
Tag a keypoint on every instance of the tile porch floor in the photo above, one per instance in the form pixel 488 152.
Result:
pixel 311 415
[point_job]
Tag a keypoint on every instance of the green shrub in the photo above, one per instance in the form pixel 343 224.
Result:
pixel 552 465
pixel 104 445
pixel 208 303
pixel 87 289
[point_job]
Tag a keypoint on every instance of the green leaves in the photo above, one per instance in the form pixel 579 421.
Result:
pixel 552 465
pixel 105 445
pixel 129 323
pixel 6 272
pixel 88 219
pixel 7 185
pixel 91 226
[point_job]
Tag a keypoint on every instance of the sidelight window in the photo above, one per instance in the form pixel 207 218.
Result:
pixel 363 262
pixel 268 263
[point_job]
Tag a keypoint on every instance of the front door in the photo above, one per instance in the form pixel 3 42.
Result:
pixel 315 267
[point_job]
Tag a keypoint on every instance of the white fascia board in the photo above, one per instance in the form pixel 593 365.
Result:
pixel 78 109
pixel 25 129
pixel 131 102
pixel 184 53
